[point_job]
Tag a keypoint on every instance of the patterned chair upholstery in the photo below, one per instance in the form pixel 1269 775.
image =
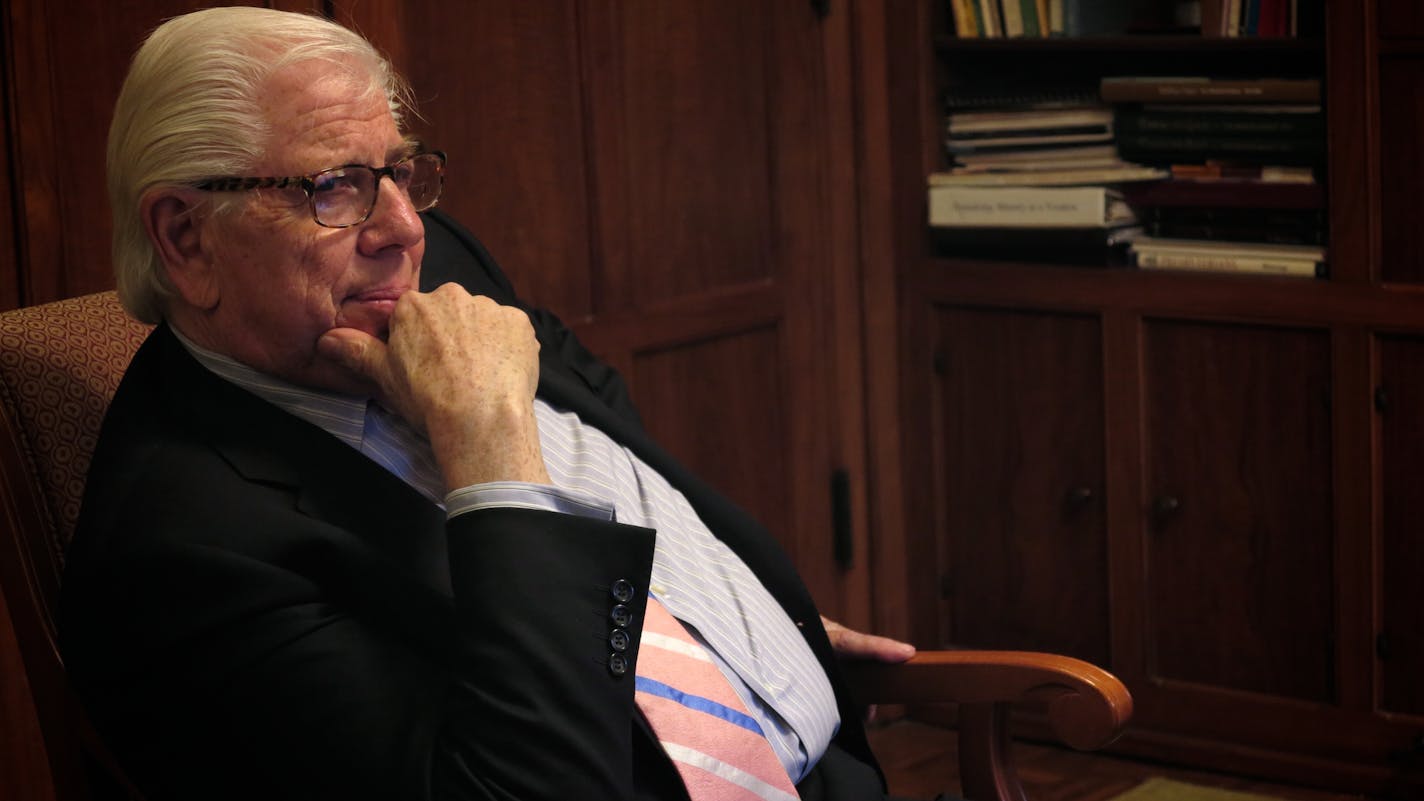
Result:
pixel 59 366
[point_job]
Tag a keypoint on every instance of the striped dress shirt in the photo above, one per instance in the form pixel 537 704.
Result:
pixel 695 575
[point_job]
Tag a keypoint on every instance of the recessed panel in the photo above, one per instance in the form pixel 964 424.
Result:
pixel 1237 508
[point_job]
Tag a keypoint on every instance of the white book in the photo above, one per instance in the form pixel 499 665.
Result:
pixel 1027 207
pixel 1212 247
pixel 1225 263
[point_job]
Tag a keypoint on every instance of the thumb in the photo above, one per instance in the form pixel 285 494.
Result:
pixel 357 351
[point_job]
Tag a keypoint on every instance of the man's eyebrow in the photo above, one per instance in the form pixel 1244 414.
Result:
pixel 405 150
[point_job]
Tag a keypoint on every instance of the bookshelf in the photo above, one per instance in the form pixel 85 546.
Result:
pixel 1202 481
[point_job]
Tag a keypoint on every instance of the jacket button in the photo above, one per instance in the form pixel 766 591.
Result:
pixel 621 616
pixel 617 664
pixel 622 590
pixel 619 640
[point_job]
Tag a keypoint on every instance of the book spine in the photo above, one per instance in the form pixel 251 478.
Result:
pixel 1158 148
pixel 1229 264
pixel 1232 19
pixel 1028 12
pixel 1012 14
pixel 993 25
pixel 1218 123
pixel 1235 233
pixel 1265 90
pixel 1055 17
pixel 1044 17
pixel 963 23
pixel 1017 207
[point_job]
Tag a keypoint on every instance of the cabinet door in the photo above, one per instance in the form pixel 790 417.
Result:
pixel 1018 434
pixel 1238 527
pixel 1400 643
pixel 675 180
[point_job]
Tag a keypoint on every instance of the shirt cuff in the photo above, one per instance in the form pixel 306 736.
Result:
pixel 526 495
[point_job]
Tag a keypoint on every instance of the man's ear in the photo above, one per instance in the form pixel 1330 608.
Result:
pixel 174 218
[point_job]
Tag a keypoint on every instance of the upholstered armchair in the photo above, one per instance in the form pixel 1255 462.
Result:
pixel 60 364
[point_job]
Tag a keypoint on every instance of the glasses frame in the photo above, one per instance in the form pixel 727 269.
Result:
pixel 307 183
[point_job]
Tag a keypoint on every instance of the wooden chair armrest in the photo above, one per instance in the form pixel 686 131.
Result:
pixel 1087 707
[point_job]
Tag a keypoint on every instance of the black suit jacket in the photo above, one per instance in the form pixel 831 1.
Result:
pixel 252 609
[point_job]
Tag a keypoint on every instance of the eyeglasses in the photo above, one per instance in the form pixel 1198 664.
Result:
pixel 345 196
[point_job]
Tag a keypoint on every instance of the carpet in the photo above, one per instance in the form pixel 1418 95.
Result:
pixel 1159 789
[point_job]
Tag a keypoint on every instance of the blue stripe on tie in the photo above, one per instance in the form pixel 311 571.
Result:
pixel 698 703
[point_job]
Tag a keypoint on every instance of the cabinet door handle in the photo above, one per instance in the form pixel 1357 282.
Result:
pixel 1079 497
pixel 1164 507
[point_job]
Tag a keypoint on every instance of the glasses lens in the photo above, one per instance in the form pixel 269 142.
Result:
pixel 343 196
pixel 422 178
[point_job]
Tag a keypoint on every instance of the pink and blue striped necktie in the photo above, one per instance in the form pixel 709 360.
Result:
pixel 719 749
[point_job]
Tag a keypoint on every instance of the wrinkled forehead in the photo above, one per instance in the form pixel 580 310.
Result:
pixel 320 114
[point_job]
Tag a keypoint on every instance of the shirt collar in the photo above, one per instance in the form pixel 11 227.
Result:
pixel 342 416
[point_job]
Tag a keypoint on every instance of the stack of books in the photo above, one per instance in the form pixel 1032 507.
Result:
pixel 1036 182
pixel 1036 144
pixel 1263 121
pixel 1243 156
pixel 1260 223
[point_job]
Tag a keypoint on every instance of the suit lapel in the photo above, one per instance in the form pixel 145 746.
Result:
pixel 330 481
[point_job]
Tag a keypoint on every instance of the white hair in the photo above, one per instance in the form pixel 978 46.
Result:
pixel 189 111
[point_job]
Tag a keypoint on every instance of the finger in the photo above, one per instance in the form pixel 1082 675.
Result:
pixel 852 644
pixel 355 350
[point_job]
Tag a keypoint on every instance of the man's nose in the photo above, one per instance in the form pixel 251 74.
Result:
pixel 394 221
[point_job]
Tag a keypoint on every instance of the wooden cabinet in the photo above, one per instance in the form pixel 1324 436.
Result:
pixel 1245 549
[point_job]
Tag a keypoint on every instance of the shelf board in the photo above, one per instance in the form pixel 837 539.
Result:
pixel 1218 296
pixel 1129 44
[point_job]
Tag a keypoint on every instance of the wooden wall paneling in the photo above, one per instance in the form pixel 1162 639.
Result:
pixel 714 183
pixel 66 78
pixel 1400 19
pixel 1399 648
pixel 498 84
pixel 842 58
pixel 24 761
pixel 1354 481
pixel 1020 428
pixel 879 256
pixel 9 241
pixel 684 139
pixel 1238 518
pixel 1401 82
pixel 1352 116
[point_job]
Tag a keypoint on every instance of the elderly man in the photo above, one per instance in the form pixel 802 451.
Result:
pixel 346 538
